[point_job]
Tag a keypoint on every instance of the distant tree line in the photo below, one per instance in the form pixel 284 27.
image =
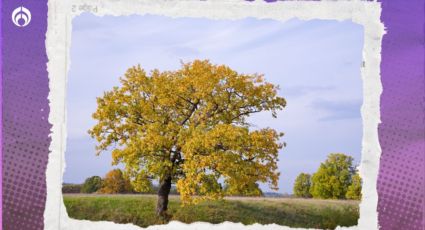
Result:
pixel 71 188
pixel 336 178
pixel 114 182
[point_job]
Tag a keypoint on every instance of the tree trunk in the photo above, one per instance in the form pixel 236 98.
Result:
pixel 163 192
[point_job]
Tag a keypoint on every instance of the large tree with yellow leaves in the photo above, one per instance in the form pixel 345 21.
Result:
pixel 189 127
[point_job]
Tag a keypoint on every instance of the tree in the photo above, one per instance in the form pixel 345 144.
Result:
pixel 354 191
pixel 189 127
pixel 91 184
pixel 333 177
pixel 302 185
pixel 241 189
pixel 115 182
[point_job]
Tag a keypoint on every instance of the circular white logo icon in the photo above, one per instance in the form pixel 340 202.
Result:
pixel 21 16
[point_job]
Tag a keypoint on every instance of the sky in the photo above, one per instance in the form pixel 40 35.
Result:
pixel 316 63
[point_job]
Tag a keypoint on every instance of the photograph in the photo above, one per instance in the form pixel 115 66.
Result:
pixel 213 120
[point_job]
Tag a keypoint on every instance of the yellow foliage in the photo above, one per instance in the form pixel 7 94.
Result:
pixel 190 124
pixel 115 182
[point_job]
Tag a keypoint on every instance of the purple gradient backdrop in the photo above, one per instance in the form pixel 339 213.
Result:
pixel 25 128
pixel 25 112
pixel 401 185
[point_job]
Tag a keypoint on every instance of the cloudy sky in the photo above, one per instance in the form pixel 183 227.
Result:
pixel 316 64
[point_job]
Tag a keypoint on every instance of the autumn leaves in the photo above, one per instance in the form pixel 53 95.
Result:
pixel 190 125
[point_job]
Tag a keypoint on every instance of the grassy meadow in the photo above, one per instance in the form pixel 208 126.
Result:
pixel 140 210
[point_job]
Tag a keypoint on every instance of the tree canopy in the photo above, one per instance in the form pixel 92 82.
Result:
pixel 91 184
pixel 333 177
pixel 115 182
pixel 252 189
pixel 189 127
pixel 354 191
pixel 302 185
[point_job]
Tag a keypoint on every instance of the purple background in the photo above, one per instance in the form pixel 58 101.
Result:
pixel 25 129
pixel 401 185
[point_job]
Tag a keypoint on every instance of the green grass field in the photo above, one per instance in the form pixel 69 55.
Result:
pixel 140 210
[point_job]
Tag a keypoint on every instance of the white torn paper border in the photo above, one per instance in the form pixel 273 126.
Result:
pixel 58 41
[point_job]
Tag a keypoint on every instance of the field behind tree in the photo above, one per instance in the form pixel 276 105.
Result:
pixel 140 210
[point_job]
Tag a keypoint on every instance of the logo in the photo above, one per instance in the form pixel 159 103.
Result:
pixel 21 16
